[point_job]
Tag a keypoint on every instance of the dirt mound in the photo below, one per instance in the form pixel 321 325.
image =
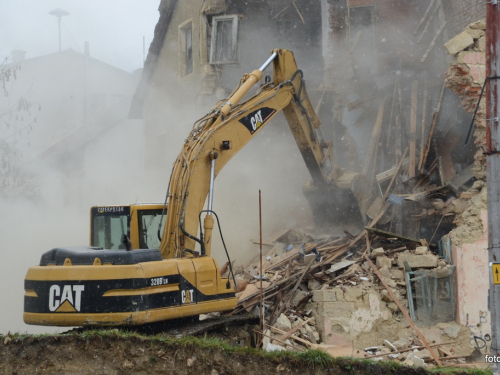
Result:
pixel 118 353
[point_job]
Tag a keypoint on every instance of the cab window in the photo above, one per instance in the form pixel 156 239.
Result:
pixel 109 225
pixel 149 220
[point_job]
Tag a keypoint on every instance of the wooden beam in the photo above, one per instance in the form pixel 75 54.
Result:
pixel 298 283
pixel 403 310
pixel 285 8
pixel 382 210
pixel 397 123
pixel 433 43
pixel 384 233
pixel 410 349
pixel 387 191
pixel 444 353
pixel 391 116
pixel 381 177
pixel 424 114
pixel 423 158
pixel 298 11
pixel 293 330
pixel 424 17
pixel 413 128
pixel 436 10
pixel 375 138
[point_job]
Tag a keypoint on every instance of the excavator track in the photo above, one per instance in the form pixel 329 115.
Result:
pixel 182 327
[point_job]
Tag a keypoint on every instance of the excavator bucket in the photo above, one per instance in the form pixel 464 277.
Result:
pixel 341 204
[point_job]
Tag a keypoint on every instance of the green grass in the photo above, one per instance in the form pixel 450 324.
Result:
pixel 316 358
pixel 311 358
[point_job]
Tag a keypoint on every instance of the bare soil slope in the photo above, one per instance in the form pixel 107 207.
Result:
pixel 96 353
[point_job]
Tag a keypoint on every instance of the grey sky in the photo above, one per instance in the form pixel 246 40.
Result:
pixel 114 28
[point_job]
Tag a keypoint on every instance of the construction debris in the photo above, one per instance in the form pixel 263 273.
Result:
pixel 336 302
pixel 388 291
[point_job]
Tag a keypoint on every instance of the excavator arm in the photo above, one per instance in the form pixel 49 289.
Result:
pixel 229 126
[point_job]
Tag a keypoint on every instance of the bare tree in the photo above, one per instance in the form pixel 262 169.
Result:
pixel 17 117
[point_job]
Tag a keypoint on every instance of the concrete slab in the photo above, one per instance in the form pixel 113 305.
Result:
pixel 382 261
pixel 474 33
pixel 418 261
pixel 459 43
pixel 327 295
pixel 283 323
pixel 377 252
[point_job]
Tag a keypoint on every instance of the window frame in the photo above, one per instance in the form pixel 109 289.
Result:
pixel 184 29
pixel 108 213
pixel 234 39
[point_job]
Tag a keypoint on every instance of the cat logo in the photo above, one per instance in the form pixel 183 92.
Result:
pixel 257 118
pixel 187 296
pixel 71 298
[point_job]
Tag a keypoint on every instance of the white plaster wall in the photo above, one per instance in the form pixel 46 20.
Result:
pixel 471 261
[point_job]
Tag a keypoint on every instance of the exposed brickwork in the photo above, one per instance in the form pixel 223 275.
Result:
pixel 459 13
pixel 460 80
pixel 465 78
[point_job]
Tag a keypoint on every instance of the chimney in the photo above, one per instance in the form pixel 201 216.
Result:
pixel 18 56
pixel 86 49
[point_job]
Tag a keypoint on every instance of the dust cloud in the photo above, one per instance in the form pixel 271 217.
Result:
pixel 50 172
pixel 112 167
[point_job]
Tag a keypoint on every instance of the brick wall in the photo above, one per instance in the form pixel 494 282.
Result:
pixel 459 13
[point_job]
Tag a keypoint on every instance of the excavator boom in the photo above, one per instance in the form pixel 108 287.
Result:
pixel 230 125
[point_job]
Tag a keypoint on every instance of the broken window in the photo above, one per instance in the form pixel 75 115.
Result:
pixel 186 47
pixel 223 49
pixel 431 295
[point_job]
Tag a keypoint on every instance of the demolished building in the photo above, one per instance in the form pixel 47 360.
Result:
pixel 395 84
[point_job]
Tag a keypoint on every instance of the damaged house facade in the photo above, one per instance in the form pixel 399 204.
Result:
pixel 395 83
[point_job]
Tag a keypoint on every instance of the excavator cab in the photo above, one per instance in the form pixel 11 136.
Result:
pixel 127 227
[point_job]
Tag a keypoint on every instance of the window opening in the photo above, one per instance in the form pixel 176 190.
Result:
pixel 186 47
pixel 189 51
pixel 224 40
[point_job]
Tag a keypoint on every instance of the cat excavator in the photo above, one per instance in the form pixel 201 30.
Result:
pixel 128 276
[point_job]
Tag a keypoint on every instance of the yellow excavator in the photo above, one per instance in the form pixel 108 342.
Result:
pixel 128 276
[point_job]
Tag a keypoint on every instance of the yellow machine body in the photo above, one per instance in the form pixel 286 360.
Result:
pixel 93 286
pixel 127 276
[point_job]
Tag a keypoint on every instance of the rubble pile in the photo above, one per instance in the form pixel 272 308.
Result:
pixel 330 294
pixel 388 292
